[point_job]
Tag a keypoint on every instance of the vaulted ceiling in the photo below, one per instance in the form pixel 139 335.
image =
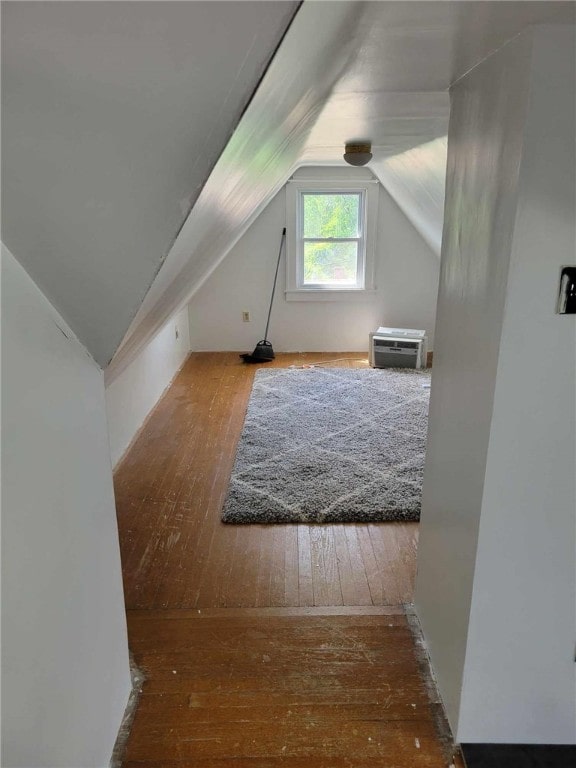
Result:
pixel 124 182
pixel 113 116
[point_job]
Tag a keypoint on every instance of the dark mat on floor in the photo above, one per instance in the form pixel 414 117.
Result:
pixel 518 756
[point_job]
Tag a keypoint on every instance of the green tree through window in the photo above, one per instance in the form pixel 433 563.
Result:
pixel 331 230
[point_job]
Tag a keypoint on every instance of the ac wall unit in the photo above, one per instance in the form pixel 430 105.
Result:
pixel 397 348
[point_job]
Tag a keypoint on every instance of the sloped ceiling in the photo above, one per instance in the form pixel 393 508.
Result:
pixel 113 116
pixel 115 113
pixel 415 179
pixel 345 70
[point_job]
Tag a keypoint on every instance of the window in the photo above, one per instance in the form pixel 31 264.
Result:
pixel 330 238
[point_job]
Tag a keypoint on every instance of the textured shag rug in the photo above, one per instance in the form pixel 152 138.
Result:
pixel 331 445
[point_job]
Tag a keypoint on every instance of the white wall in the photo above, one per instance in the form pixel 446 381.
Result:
pixel 131 395
pixel 484 148
pixel 65 674
pixel 526 544
pixel 406 279
pixel 496 575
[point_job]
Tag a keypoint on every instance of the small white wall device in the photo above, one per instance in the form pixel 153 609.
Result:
pixel 397 348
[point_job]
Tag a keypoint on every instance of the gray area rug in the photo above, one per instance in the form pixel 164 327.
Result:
pixel 331 445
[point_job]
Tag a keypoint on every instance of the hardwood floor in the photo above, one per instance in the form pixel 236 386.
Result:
pixel 169 492
pixel 265 690
pixel 262 646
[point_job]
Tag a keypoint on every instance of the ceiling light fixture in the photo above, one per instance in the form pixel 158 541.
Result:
pixel 358 153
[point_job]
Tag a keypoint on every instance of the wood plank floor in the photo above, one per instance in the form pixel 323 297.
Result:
pixel 262 690
pixel 281 646
pixel 170 488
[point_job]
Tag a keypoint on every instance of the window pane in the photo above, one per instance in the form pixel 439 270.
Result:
pixel 331 215
pixel 330 263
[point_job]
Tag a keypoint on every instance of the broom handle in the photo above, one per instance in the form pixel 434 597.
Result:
pixel 274 286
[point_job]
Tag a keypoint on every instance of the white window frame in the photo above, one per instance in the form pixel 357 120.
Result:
pixel 295 289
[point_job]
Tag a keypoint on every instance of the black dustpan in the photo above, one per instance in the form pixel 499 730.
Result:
pixel 263 351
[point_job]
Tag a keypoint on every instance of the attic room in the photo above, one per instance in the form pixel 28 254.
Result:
pixel 158 159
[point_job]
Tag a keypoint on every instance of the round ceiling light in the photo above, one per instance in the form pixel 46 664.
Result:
pixel 358 154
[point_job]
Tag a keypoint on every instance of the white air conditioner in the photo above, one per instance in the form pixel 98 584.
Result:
pixel 397 348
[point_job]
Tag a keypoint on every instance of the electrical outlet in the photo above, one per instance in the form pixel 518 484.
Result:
pixel 245 317
pixel 176 332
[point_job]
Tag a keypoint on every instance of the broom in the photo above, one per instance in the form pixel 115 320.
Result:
pixel 263 351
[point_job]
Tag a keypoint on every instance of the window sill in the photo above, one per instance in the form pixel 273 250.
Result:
pixel 315 294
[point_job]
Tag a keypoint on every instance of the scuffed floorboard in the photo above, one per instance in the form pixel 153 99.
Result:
pixel 260 690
